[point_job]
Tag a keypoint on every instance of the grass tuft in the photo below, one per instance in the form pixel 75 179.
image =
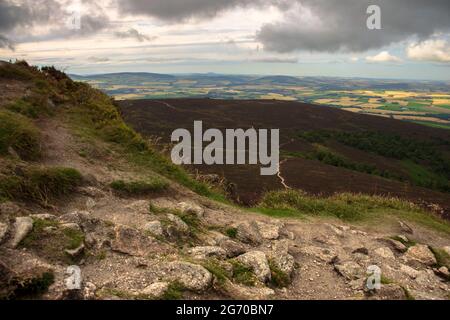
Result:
pixel 20 134
pixel 139 187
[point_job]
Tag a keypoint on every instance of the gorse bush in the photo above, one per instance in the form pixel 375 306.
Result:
pixel 20 134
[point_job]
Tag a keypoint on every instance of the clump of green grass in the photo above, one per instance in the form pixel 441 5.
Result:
pixel 347 207
pixel 39 184
pixel 231 232
pixel 51 244
pixel 20 134
pixel 243 274
pixel 174 292
pixel 139 187
pixel 217 270
pixel 279 278
pixel 31 106
pixel 442 257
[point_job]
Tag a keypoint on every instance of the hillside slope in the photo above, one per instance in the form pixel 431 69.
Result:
pixel 79 187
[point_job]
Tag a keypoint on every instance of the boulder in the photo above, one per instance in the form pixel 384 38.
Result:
pixel 191 208
pixel 75 253
pixel 179 224
pixel 192 276
pixel 350 270
pixel 9 208
pixel 410 272
pixel 447 250
pixel 232 248
pixel 257 261
pixel 208 252
pixel 248 232
pixel 397 245
pixel 323 254
pixel 130 241
pixel 281 258
pixel 405 227
pixel 155 290
pixel 22 227
pixel 384 253
pixel 420 254
pixel 269 231
pixel 388 292
pixel 155 228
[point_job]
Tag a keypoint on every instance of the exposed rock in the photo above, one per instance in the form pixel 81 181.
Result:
pixel 248 232
pixel 406 228
pixel 155 290
pixel 3 231
pixel 90 203
pixel 9 208
pixel 362 250
pixel 74 253
pixel 179 224
pixel 191 208
pixel 350 270
pixel 232 248
pixel 323 254
pixel 74 217
pixel 92 192
pixel 22 227
pixel 269 231
pixel 421 254
pixel 397 245
pixel 410 272
pixel 281 258
pixel 44 216
pixel 208 252
pixel 388 292
pixel 447 250
pixel 130 241
pixel 257 260
pixel 403 238
pixel 384 253
pixel 155 228
pixel 191 276
pixel 71 226
pixel 241 292
pixel 141 206
pixel 89 291
pixel 443 272
pixel 337 231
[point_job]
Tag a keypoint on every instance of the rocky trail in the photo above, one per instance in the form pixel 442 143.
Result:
pixel 149 247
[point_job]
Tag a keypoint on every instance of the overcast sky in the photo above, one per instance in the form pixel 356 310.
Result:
pixel 292 37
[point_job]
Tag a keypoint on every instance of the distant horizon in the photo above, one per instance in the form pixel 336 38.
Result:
pixel 256 75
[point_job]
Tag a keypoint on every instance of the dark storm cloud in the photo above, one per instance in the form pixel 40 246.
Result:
pixel 343 24
pixel 27 14
pixel 174 10
pixel 133 33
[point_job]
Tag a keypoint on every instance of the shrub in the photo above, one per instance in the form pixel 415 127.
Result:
pixel 19 133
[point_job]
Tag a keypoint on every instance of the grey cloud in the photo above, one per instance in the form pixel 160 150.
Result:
pixel 342 25
pixel 176 10
pixel 133 33
pixel 6 43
